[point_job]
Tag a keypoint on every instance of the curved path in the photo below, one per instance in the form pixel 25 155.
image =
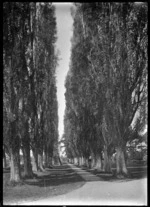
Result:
pixel 96 191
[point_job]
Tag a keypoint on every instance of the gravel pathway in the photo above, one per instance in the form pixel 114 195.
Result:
pixel 99 192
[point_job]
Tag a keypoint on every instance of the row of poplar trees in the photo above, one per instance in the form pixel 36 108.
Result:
pixel 106 86
pixel 30 119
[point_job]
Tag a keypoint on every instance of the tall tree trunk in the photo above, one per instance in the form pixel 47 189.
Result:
pixel 50 161
pixel 78 158
pixel 75 161
pixel 84 161
pixel 93 161
pixel 53 161
pixel 98 162
pixel 15 174
pixel 59 160
pixel 27 161
pixel 45 158
pixel 120 162
pixel 80 161
pixel 35 160
pixel 87 162
pixel 26 152
pixel 40 161
pixel 4 159
pixel 107 161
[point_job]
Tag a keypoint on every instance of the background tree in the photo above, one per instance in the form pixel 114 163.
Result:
pixel 108 76
pixel 29 95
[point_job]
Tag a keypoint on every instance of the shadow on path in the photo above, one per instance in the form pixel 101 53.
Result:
pixel 136 172
pixel 68 173
pixel 53 177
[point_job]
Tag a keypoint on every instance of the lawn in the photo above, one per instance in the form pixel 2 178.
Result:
pixel 52 182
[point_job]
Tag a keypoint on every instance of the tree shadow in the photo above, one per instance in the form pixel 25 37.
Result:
pixel 65 174
pixel 135 172
pixel 53 177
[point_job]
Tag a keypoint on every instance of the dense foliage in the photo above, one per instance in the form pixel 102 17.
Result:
pixel 30 118
pixel 106 86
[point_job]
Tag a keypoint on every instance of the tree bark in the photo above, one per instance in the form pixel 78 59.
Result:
pixel 59 160
pixel 4 159
pixel 87 162
pixel 35 161
pixel 50 163
pixel 27 161
pixel 15 174
pixel 98 162
pixel 84 161
pixel 120 162
pixel 80 161
pixel 93 161
pixel 40 161
pixel 45 158
pixel 107 161
pixel 75 161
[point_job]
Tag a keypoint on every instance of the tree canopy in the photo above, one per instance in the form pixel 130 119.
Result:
pixel 106 86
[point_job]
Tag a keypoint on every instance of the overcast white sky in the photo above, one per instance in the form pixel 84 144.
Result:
pixel 64 34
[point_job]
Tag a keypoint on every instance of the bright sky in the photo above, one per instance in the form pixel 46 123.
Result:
pixel 64 33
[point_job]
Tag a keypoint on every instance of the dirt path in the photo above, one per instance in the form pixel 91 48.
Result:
pixel 96 191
